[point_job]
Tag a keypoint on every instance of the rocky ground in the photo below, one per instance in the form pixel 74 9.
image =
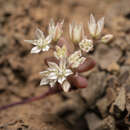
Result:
pixel 103 105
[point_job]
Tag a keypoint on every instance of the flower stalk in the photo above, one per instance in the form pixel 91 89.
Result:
pixel 29 100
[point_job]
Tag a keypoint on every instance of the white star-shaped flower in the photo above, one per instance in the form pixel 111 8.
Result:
pixel 76 59
pixel 41 43
pixel 56 73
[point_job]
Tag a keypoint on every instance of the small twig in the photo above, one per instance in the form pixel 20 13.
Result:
pixel 49 92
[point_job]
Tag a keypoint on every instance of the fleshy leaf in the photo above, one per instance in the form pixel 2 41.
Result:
pixel 88 64
pixel 78 81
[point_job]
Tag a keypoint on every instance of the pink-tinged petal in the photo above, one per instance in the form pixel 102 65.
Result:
pixel 78 81
pixel 51 59
pixel 70 47
pixel 87 65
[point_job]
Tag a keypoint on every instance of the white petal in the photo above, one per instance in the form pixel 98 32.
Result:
pixel 52 83
pixel 92 19
pixel 77 33
pixel 44 72
pixel 58 31
pixel 68 72
pixel 81 61
pixel 78 53
pixel 46 48
pixel 51 27
pixel 53 65
pixel 52 75
pixel 51 69
pixel 92 29
pixel 48 39
pixel 39 34
pixel 31 41
pixel 66 86
pixel 100 26
pixel 70 31
pixel 82 29
pixel 52 23
pixel 62 64
pixel 75 65
pixel 92 25
pixel 73 57
pixel 57 48
pixel 75 54
pixel 61 79
pixel 55 55
pixel 77 62
pixel 44 81
pixel 62 22
pixel 35 50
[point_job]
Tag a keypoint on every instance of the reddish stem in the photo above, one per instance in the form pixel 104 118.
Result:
pixel 49 92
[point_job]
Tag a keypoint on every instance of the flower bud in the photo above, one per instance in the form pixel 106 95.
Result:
pixel 107 38
pixel 76 32
pixel 95 29
pixel 55 30
pixel 86 45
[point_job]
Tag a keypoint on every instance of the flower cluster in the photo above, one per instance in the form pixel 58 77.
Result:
pixel 69 59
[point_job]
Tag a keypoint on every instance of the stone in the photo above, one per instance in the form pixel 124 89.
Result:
pixel 120 101
pixel 105 56
pixel 96 87
pixel 102 106
pixel 113 67
pixel 95 123
pixel 104 103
